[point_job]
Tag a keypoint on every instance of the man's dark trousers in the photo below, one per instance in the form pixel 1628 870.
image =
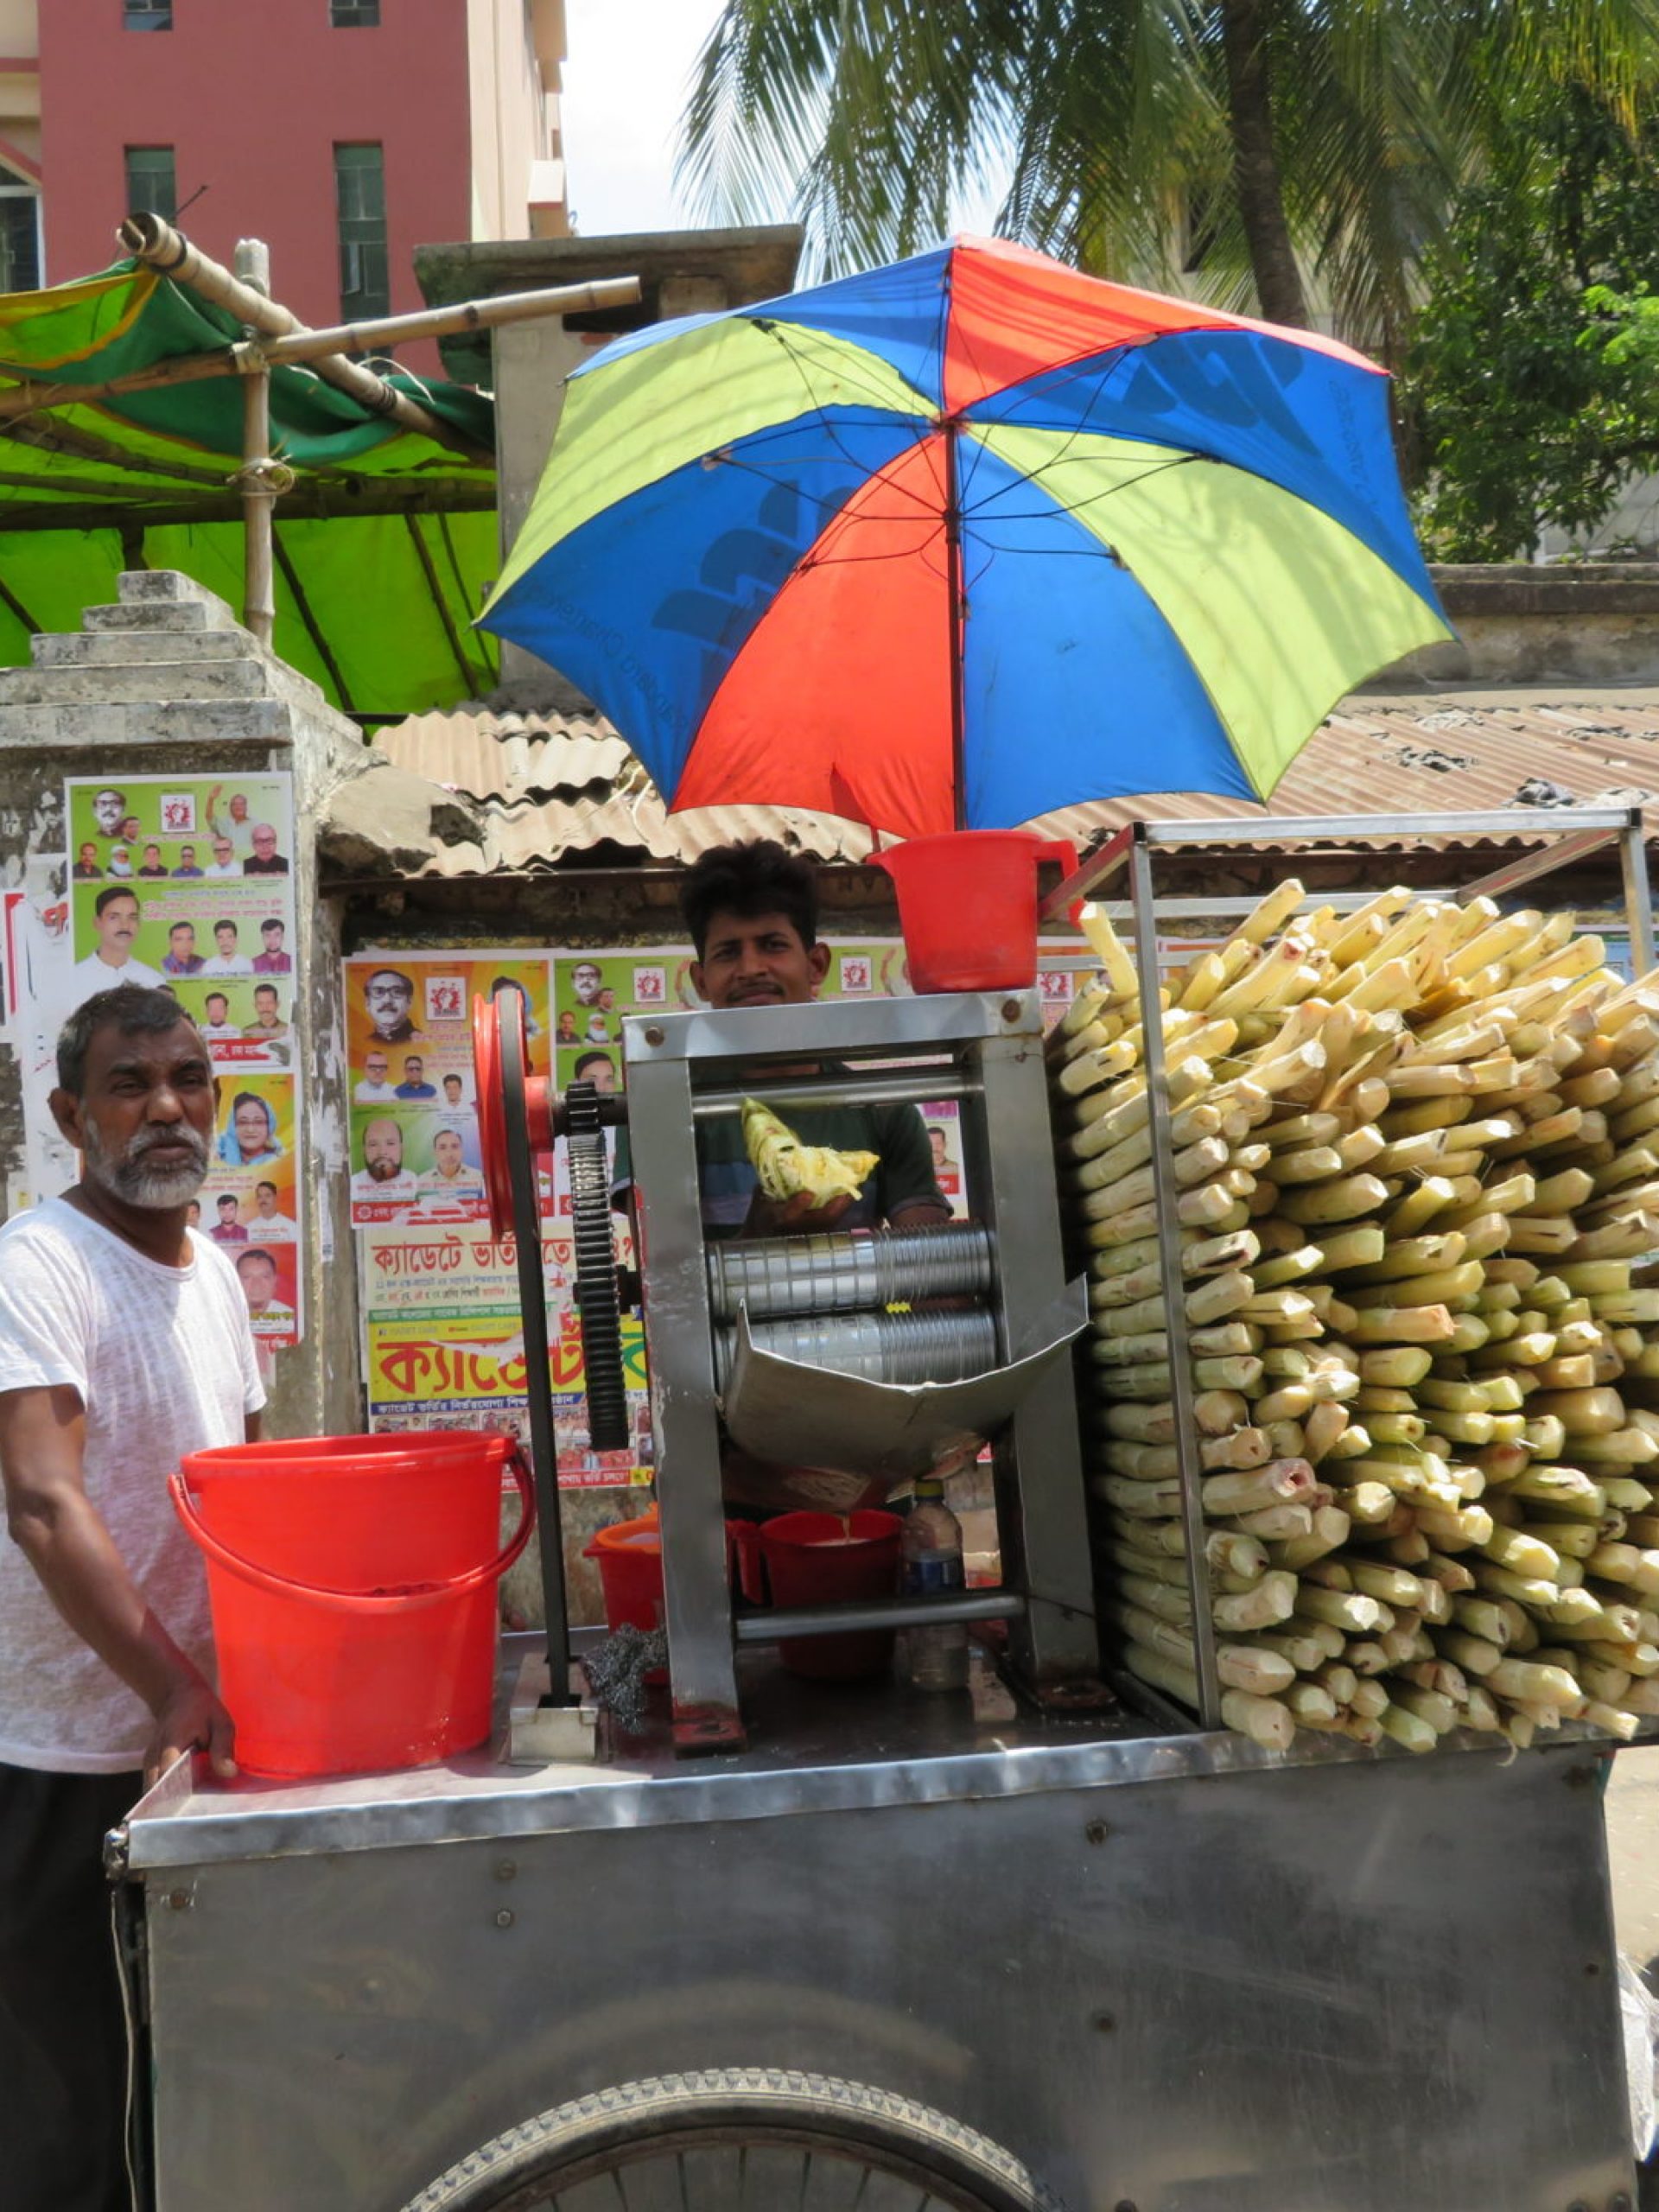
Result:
pixel 63 2038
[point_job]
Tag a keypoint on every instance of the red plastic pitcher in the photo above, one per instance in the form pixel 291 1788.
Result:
pixel 821 1559
pixel 968 905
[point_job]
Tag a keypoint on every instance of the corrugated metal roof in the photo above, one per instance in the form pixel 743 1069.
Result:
pixel 548 784
pixel 1459 753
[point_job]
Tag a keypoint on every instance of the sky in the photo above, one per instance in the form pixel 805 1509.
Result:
pixel 626 81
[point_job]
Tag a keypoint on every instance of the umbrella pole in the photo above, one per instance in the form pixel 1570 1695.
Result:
pixel 958 616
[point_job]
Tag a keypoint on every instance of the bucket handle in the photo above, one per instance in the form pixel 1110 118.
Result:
pixel 1065 853
pixel 377 1604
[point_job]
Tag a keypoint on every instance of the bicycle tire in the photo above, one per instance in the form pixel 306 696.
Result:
pixel 743 2109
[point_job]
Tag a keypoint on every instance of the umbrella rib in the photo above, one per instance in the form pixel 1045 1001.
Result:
pixel 1073 506
pixel 1078 429
pixel 876 395
pixel 787 484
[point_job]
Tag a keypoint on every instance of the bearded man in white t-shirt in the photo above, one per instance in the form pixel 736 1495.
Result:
pixel 124 1344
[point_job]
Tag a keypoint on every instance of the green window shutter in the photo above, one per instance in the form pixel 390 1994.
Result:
pixel 361 196
pixel 152 181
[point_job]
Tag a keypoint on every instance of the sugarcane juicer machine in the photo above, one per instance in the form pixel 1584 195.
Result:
pixel 823 1301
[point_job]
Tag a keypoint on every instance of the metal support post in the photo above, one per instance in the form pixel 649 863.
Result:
pixel 674 1281
pixel 533 1303
pixel 1169 1238
pixel 1037 1461
pixel 1638 892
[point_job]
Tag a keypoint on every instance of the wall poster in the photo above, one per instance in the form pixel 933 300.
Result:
pixel 442 1342
pixel 187 884
pixel 408 1044
pixel 443 1345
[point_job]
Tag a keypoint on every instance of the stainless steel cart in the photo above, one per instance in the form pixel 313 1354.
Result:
pixel 1169 1972
pixel 877 1954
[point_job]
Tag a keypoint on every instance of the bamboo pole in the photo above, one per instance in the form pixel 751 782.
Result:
pixel 309 501
pixel 257 478
pixel 151 239
pixel 317 346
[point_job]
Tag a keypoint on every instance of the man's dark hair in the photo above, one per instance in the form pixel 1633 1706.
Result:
pixel 135 1009
pixel 255 1252
pixel 227 1198
pixel 589 1060
pixel 273 922
pixel 227 924
pixel 265 990
pixel 398 976
pixel 220 996
pixel 271 1187
pixel 109 893
pixel 755 876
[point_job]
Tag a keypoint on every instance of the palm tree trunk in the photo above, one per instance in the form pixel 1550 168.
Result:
pixel 1255 166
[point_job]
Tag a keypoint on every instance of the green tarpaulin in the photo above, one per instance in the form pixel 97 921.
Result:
pixel 385 546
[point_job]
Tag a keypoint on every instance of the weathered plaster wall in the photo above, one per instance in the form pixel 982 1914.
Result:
pixel 167 682
pixel 1593 623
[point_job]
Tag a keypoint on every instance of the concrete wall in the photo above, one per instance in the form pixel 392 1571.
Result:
pixel 1587 623
pixel 167 682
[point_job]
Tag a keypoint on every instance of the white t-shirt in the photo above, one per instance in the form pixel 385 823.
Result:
pixel 164 1361
pixel 271 1229
pixel 227 964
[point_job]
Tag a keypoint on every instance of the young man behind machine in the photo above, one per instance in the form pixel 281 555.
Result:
pixel 124 1344
pixel 752 910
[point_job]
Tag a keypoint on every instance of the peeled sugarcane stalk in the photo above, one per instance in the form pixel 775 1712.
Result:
pixel 1421 1048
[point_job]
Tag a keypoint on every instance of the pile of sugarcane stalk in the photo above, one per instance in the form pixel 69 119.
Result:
pixel 1416 1152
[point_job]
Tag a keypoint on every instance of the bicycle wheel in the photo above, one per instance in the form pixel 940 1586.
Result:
pixel 739 2139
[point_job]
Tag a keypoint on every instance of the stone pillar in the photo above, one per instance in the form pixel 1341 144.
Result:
pixel 167 682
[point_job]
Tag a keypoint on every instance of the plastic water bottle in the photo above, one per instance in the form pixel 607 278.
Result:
pixel 931 1552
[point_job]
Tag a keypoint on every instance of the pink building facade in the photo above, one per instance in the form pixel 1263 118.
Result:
pixel 342 132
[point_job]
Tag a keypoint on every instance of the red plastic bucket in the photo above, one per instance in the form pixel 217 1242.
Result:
pixel 819 1559
pixel 352 1587
pixel 968 906
pixel 630 1557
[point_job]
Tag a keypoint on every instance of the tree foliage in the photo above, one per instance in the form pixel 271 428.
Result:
pixel 1237 150
pixel 1533 387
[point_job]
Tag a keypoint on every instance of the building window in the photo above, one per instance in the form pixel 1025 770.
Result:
pixel 147 15
pixel 360 192
pixel 20 236
pixel 354 15
pixel 151 184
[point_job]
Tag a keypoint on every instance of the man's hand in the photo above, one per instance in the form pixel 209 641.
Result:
pixel 192 1719
pixel 796 1217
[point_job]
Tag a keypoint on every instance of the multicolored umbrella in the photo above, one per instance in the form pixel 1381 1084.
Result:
pixel 966 539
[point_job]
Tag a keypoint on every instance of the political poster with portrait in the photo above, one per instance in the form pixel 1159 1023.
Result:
pixel 414 1153
pixel 443 1347
pixel 187 884
pixel 248 1201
